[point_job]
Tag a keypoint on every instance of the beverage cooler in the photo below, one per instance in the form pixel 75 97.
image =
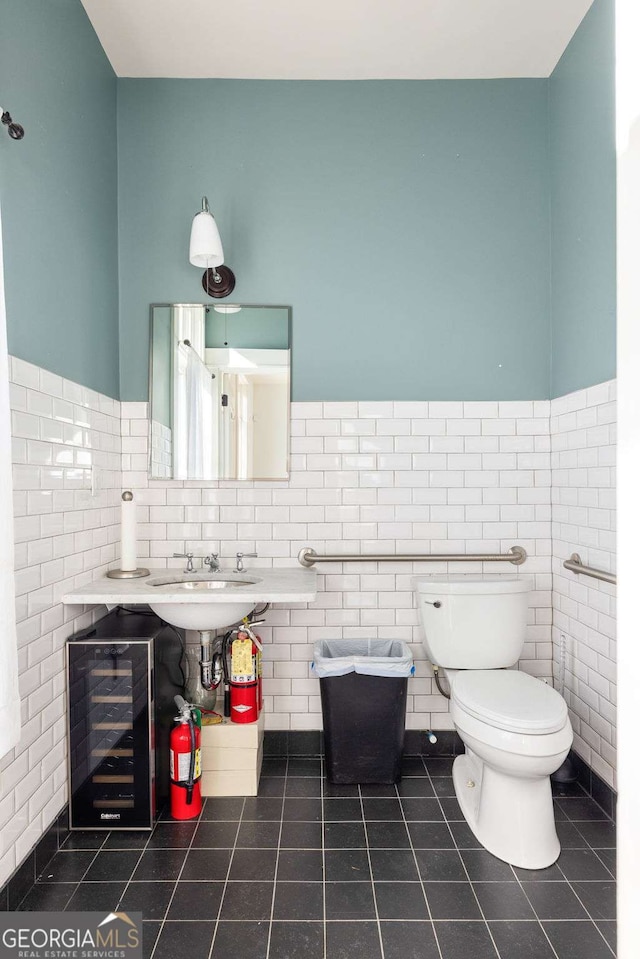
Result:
pixel 122 675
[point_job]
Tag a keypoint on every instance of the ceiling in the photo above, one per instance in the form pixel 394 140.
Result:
pixel 335 39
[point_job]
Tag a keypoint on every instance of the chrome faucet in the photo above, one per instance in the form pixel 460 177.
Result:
pixel 212 562
pixel 240 568
pixel 190 568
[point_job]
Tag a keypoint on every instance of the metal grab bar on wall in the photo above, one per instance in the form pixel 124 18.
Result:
pixel 516 555
pixel 575 564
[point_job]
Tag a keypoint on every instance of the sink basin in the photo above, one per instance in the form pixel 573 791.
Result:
pixel 214 584
pixel 202 581
pixel 205 604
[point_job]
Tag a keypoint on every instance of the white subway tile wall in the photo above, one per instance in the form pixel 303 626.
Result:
pixel 161 455
pixel 67 481
pixel 368 477
pixel 583 426
pixel 365 477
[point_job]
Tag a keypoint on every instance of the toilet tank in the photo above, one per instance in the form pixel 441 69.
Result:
pixel 473 622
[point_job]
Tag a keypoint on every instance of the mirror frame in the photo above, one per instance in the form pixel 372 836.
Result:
pixel 254 479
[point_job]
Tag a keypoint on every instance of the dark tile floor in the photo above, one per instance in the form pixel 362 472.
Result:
pixel 312 870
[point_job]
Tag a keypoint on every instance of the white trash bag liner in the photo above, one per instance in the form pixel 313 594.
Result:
pixel 370 657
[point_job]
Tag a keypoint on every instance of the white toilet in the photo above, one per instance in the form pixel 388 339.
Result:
pixel 516 729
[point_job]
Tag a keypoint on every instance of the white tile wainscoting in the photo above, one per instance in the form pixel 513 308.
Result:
pixel 432 477
pixel 583 427
pixel 367 477
pixel 161 455
pixel 67 481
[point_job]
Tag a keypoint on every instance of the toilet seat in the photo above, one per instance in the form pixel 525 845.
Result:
pixel 510 700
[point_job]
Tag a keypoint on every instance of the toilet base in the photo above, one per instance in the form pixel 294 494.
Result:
pixel 511 817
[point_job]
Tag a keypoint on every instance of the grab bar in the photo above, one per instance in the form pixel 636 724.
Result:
pixel 575 564
pixel 516 555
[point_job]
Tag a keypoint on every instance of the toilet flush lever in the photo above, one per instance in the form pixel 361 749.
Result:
pixel 437 603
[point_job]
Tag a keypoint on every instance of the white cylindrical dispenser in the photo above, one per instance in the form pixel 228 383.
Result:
pixel 129 568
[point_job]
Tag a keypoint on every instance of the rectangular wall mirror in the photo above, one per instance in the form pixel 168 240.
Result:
pixel 219 391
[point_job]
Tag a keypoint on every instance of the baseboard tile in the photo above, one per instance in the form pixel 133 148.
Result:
pixel 24 877
pixel 597 788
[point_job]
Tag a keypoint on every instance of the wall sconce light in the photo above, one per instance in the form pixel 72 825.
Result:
pixel 205 251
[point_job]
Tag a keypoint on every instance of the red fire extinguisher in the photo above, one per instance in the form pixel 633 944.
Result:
pixel 246 676
pixel 185 764
pixel 258 654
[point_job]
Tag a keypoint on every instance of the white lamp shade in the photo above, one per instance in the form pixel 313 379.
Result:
pixel 205 247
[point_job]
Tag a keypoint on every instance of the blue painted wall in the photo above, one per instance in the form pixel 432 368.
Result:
pixel 406 223
pixel 583 206
pixel 257 328
pixel 58 190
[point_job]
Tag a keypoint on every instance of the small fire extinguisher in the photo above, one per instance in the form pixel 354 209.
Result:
pixel 185 763
pixel 246 676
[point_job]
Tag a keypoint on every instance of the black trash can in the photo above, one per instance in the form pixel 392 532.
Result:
pixel 363 689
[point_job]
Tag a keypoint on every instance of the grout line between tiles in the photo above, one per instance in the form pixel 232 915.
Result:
pixel 464 866
pixel 324 863
pixel 373 885
pixel 226 880
pixel 142 851
pixel 570 886
pixel 576 893
pixel 586 909
pixel 76 883
pixel 544 931
pixel 415 860
pixel 606 866
pixel 79 881
pixel 275 871
pixel 175 885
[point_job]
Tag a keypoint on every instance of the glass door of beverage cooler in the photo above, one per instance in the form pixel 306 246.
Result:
pixel 110 734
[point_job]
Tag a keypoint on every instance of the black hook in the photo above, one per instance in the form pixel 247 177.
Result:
pixel 15 131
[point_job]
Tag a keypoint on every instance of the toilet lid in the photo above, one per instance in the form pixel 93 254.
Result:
pixel 510 700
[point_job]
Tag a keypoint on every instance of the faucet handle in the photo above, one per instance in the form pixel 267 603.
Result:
pixel 189 558
pixel 240 557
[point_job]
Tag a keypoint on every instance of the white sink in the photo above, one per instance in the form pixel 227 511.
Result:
pixel 187 599
pixel 210 608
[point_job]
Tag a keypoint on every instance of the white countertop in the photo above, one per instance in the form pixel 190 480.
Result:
pixel 280 585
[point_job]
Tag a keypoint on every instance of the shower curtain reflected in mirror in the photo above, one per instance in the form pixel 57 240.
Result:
pixel 195 450
pixel 195 454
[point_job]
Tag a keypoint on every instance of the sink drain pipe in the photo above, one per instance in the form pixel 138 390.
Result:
pixel 210 665
pixel 213 665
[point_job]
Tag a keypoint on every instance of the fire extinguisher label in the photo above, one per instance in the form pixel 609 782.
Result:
pixel 242 661
pixel 179 764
